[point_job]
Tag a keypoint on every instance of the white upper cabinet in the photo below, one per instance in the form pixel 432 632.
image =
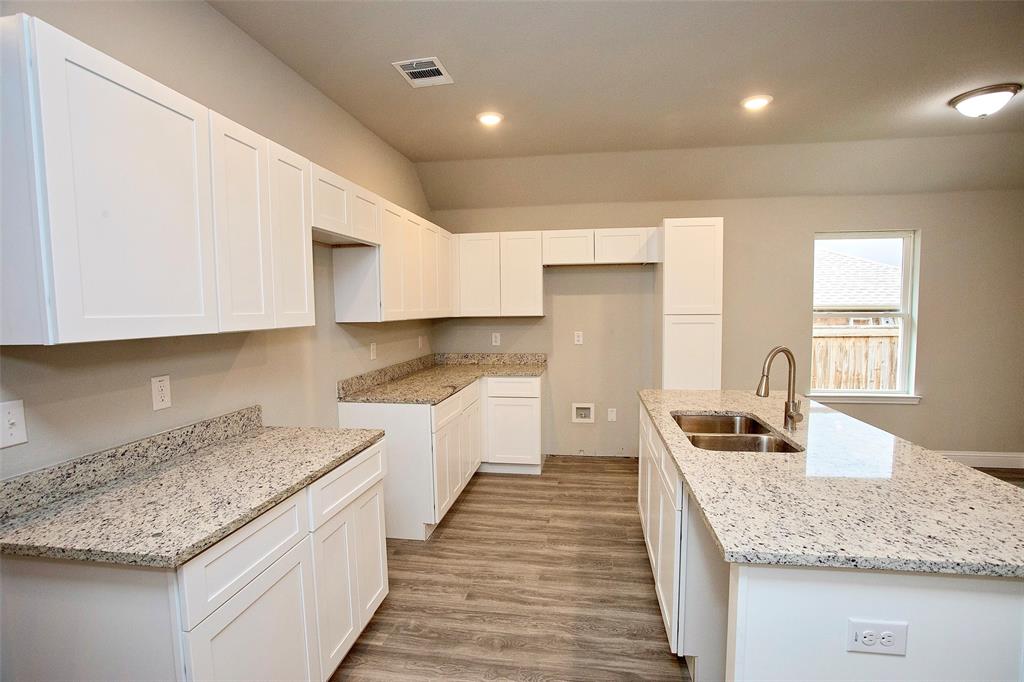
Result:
pixel 292 239
pixel 391 271
pixel 691 277
pixel 568 247
pixel 522 274
pixel 445 276
pixel 343 212
pixel 412 265
pixel 241 221
pixel 107 228
pixel 430 245
pixel 625 245
pixel 479 274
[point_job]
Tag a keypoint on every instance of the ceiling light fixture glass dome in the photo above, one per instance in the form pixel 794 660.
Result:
pixel 985 101
pixel 490 118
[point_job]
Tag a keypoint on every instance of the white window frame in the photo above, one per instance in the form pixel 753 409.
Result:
pixel 905 391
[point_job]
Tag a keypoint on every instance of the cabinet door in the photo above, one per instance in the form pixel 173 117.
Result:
pixel 479 275
pixel 568 247
pixel 666 576
pixel 455 477
pixel 692 270
pixel 126 163
pixel 522 274
pixel 292 238
pixel 365 215
pixel 513 430
pixel 391 253
pixel 267 631
pixel 332 206
pixel 337 598
pixel 653 534
pixel 241 221
pixel 430 236
pixel 692 357
pixel 371 552
pixel 469 431
pixel 445 281
pixel 443 492
pixel 412 266
pixel 623 245
pixel 643 491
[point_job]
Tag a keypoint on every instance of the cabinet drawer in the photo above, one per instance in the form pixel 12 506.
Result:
pixel 513 387
pixel 210 579
pixel 334 491
pixel 445 411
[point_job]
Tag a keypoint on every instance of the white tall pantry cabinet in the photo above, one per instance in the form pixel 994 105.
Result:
pixel 689 303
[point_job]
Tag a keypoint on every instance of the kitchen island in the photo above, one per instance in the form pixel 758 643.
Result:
pixel 771 565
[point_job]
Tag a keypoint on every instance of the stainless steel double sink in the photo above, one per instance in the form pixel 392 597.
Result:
pixel 731 432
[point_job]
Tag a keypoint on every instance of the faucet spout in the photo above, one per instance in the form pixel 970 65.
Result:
pixel 792 404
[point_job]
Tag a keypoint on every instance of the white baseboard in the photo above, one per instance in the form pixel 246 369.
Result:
pixel 996 460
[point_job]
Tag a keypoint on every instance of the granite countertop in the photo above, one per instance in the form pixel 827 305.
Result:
pixel 165 514
pixel 428 383
pixel 857 497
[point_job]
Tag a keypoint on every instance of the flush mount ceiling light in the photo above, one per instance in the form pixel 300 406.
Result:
pixel 984 101
pixel 757 102
pixel 490 118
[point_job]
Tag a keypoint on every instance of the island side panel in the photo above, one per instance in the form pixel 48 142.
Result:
pixel 790 623
pixel 77 620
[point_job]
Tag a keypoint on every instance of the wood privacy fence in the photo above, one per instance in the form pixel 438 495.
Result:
pixel 855 359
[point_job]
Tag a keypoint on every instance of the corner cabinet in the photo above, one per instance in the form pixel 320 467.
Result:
pixel 131 211
pixel 522 274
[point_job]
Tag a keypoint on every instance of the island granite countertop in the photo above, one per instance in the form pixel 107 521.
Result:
pixel 856 497
pixel 433 378
pixel 145 504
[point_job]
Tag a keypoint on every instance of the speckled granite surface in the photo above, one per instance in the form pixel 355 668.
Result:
pixel 24 493
pixel 430 384
pixel 166 514
pixel 858 497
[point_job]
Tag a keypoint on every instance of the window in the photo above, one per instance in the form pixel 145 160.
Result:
pixel 864 318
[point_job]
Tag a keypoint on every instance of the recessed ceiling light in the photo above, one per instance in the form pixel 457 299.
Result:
pixel 757 102
pixel 984 101
pixel 490 118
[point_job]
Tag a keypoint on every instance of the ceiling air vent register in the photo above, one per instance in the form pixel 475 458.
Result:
pixel 420 73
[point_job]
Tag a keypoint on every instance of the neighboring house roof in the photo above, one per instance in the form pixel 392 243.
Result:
pixel 843 281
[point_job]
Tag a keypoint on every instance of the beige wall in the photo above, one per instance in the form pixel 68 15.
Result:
pixel 970 363
pixel 83 397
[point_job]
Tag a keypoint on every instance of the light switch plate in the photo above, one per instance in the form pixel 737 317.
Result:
pixel 161 386
pixel 14 431
pixel 612 414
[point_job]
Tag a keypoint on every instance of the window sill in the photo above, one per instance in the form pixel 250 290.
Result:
pixel 870 399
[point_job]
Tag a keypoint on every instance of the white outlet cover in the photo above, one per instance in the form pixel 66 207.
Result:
pixel 877 636
pixel 419 341
pixel 612 414
pixel 577 338
pixel 161 387
pixel 496 338
pixel 14 431
pixel 373 351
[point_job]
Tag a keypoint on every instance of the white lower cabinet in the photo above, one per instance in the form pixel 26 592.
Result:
pixel 266 631
pixel 338 617
pixel 434 450
pixel 513 421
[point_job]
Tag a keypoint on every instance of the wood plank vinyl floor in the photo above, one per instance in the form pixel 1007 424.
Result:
pixel 527 578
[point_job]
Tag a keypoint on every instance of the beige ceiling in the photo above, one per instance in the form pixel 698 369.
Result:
pixel 575 77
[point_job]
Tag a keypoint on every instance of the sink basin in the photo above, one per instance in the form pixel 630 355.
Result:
pixel 719 423
pixel 745 442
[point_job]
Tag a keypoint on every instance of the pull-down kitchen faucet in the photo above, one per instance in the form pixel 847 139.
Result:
pixel 792 404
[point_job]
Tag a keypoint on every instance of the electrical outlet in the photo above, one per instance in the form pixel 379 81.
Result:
pixel 14 432
pixel 495 338
pixel 612 414
pixel 577 338
pixel 420 341
pixel 877 636
pixel 161 387
pixel 373 351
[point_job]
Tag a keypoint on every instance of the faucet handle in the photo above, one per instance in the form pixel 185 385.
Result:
pixel 793 411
